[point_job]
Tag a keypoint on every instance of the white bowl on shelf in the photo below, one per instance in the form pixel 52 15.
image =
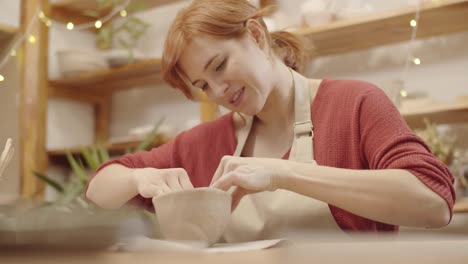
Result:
pixel 73 62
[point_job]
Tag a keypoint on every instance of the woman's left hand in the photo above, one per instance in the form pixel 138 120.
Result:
pixel 248 175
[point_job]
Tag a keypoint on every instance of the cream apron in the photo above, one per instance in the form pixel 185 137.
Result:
pixel 269 215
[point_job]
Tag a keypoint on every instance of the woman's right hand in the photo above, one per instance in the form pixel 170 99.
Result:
pixel 151 182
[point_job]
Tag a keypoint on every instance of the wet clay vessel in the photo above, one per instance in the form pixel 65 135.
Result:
pixel 195 215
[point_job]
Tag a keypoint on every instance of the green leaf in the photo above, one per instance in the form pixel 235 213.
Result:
pixel 52 183
pixel 131 58
pixel 137 6
pixel 105 36
pixel 76 167
pixel 95 154
pixel 117 2
pixel 103 153
pixel 127 27
pixel 72 191
pixel 92 13
pixel 83 179
pixel 90 160
pixel 103 4
pixel 136 21
pixel 123 43
pixel 148 141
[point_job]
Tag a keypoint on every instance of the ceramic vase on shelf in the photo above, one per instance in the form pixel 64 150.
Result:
pixel 315 13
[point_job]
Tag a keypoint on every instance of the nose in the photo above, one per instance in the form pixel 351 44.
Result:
pixel 219 88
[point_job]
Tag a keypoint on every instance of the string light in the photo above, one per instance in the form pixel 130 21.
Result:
pixel 98 24
pixel 32 39
pixel 417 61
pixel 70 26
pixel 403 93
pixel 2 78
pixel 40 16
pixel 414 24
pixel 116 10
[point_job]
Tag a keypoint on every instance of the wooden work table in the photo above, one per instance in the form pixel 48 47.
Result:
pixel 414 251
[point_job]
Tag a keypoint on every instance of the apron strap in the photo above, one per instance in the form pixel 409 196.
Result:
pixel 243 134
pixel 302 149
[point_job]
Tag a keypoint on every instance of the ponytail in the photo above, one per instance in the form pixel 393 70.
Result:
pixel 290 49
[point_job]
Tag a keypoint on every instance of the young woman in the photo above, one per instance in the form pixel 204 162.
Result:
pixel 302 153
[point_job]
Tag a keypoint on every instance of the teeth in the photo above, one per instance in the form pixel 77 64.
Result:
pixel 237 96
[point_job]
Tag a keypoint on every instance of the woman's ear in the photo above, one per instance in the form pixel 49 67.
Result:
pixel 256 31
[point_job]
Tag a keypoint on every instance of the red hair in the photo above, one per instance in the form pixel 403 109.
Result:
pixel 222 18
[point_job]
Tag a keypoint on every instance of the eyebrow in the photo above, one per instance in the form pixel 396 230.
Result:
pixel 206 66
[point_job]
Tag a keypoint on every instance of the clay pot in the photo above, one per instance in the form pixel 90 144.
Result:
pixel 196 215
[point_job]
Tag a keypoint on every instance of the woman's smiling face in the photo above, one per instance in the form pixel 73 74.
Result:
pixel 233 72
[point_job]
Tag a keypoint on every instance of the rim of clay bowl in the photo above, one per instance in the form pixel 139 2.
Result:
pixel 156 199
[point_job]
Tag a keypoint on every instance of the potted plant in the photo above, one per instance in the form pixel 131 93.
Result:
pixel 126 32
pixel 444 149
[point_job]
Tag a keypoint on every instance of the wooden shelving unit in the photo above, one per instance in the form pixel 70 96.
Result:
pixel 7 33
pixel 446 113
pixel 338 37
pixel 75 10
pixel 359 33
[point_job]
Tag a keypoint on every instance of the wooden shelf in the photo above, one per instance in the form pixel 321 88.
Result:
pixel 105 82
pixel 74 10
pixel 59 155
pixel 461 206
pixel 359 33
pixel 442 113
pixel 337 37
pixel 7 33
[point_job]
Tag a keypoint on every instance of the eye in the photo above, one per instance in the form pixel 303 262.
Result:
pixel 204 87
pixel 221 65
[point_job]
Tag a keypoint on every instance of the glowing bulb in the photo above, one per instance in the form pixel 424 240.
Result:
pixel 32 39
pixel 70 26
pixel 41 15
pixel 98 24
pixel 403 93
pixel 48 23
pixel 417 61
pixel 123 13
pixel 13 53
pixel 2 78
pixel 413 23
